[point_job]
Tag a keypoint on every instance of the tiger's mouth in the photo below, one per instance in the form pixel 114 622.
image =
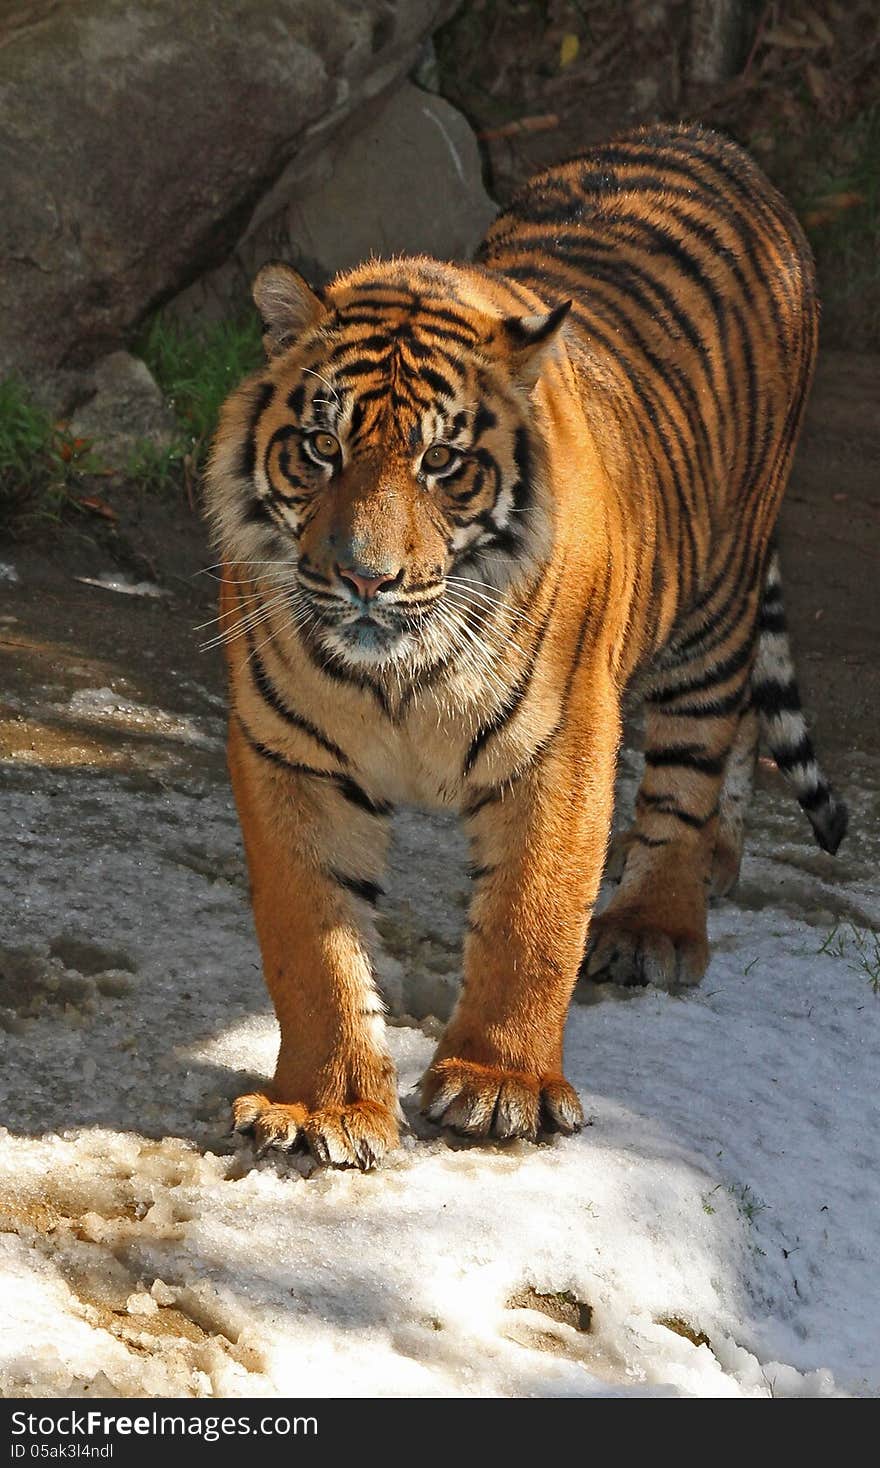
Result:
pixel 366 634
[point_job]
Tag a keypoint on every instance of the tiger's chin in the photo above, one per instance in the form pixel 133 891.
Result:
pixel 365 642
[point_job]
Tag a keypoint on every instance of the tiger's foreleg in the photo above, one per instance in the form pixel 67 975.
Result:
pixel 314 858
pixel 538 849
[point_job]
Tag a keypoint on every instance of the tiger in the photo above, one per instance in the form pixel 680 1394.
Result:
pixel 462 512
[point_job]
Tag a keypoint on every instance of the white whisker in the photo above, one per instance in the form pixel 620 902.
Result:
pixel 327 383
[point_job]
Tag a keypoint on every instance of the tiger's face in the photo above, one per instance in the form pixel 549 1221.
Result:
pixel 391 465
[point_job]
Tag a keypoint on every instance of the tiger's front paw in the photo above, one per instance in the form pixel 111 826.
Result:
pixel 484 1101
pixel 627 949
pixel 356 1135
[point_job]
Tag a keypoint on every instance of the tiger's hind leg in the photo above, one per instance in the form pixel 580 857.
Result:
pixel 687 835
pixel 733 804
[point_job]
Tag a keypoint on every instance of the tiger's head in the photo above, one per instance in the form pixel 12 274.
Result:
pixel 386 467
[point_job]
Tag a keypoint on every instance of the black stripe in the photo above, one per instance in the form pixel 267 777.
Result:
pixel 720 673
pixel 378 342
pixel 679 316
pixel 666 805
pixel 446 334
pixel 270 695
pixel 360 886
pixel 364 367
pixel 247 461
pixel 334 668
pixel 772 619
pixel 437 381
pixel 592 607
pixel 497 722
pixel 652 407
pixel 772 698
pixel 481 799
pixel 477 873
pixel 616 306
pixel 716 708
pixel 503 716
pixel 398 297
pixel 483 420
pixel 752 244
pixel 811 800
pixel 464 496
pixel 436 313
pixel 719 198
pixel 346 786
pixel 257 512
pixel 522 458
pixel 359 797
pixel 377 316
pixel 685 756
pixel 356 420
pixel 801 753
pixel 714 630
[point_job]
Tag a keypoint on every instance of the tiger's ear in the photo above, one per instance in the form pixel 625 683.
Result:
pixel 287 304
pixel 529 340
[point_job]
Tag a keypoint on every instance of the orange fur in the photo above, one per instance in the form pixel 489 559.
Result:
pixel 608 484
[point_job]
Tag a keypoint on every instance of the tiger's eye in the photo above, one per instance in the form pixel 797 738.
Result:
pixel 325 445
pixel 438 456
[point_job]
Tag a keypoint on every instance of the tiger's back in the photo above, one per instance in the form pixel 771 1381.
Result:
pixel 694 294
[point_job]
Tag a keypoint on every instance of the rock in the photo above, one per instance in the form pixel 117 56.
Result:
pixel 138 135
pixel 408 180
pixel 719 32
pixel 126 411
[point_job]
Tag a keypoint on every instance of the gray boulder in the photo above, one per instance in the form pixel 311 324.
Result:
pixel 137 136
pixel 126 411
pixel 407 180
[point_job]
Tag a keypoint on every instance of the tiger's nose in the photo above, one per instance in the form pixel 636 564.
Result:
pixel 366 585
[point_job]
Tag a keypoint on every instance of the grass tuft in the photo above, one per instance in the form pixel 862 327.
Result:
pixel 41 463
pixel 196 370
pixel 858 947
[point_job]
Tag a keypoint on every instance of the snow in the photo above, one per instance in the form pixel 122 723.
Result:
pixel 113 581
pixel 717 1215
pixel 103 705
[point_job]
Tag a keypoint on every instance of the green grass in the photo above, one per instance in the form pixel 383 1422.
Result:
pixel 158 469
pixel 44 469
pixel 748 1203
pixel 196 370
pixel 858 947
pixel 41 463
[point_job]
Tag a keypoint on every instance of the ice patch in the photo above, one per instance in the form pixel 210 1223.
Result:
pixel 112 581
pixel 103 706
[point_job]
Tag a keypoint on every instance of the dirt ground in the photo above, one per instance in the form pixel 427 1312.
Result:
pixel 59 632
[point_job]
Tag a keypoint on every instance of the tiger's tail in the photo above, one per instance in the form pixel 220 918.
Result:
pixel 776 698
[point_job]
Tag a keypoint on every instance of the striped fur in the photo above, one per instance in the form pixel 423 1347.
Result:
pixel 775 697
pixel 460 511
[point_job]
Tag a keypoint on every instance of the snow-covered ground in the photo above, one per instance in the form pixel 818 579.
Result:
pixel 712 1232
